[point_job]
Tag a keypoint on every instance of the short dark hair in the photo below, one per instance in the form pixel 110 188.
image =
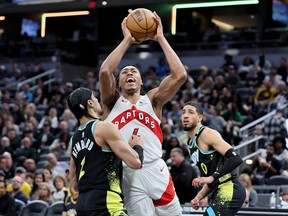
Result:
pixel 198 106
pixel 77 101
pixel 117 76
pixel 178 150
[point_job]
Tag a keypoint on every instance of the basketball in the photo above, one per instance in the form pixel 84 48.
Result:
pixel 141 24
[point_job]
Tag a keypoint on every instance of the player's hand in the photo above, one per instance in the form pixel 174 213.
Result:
pixel 126 32
pixel 200 181
pixel 135 140
pixel 159 32
pixel 195 203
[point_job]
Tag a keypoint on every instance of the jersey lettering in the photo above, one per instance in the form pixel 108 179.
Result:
pixel 195 156
pixel 204 168
pixel 131 114
pixel 82 172
pixel 83 144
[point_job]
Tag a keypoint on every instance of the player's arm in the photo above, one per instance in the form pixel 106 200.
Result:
pixel 171 84
pixel 72 173
pixel 205 190
pixel 214 139
pixel 106 78
pixel 131 154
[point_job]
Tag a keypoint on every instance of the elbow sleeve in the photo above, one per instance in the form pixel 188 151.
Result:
pixel 232 162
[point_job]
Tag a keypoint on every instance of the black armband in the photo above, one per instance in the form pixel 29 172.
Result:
pixel 139 150
pixel 234 160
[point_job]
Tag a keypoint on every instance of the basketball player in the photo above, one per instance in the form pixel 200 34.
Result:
pixel 217 162
pixel 96 153
pixel 147 191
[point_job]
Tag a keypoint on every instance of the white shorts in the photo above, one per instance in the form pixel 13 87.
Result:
pixel 150 191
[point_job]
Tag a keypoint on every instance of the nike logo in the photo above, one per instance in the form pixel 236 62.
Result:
pixel 161 169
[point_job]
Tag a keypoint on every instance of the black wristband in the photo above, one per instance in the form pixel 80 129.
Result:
pixel 139 150
pixel 216 175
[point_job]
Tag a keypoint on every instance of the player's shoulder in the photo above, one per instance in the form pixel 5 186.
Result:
pixel 105 124
pixel 207 131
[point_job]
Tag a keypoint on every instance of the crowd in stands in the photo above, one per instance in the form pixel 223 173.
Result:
pixel 36 126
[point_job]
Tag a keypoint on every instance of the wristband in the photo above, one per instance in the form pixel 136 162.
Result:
pixel 216 176
pixel 139 150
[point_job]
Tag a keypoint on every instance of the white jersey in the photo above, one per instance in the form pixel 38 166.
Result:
pixel 127 116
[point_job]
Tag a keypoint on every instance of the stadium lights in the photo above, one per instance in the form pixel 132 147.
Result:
pixel 33 2
pixel 205 4
pixel 223 25
pixel 2 18
pixel 58 14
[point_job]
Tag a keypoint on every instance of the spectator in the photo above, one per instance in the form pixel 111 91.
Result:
pixel 7 202
pixel 30 179
pixel 48 176
pixel 162 67
pixel 204 90
pixel 203 73
pixel 30 165
pixel 266 167
pixel 226 96
pixel 31 111
pixel 17 114
pixel 182 174
pixel 2 163
pixel 274 78
pixel 253 196
pixel 70 119
pixel 254 78
pixel 38 178
pixel 45 193
pixel 235 120
pixel 214 120
pixel 246 203
pixel 228 61
pixel 189 91
pixel 175 114
pixel 275 126
pixel 40 98
pixel 14 139
pixel 172 143
pixel 25 187
pixel 246 67
pixel 16 192
pixel 29 133
pixel 2 175
pixel 266 93
pixel 5 146
pixel 69 207
pixel 90 82
pixel 281 98
pixel 61 191
pixel 263 64
pixel 45 137
pixel 232 79
pixel 58 167
pixel 9 166
pixel 281 152
pixel 26 149
pixel 284 198
pixel 220 83
pixel 9 124
pixel 26 92
pixel 60 144
pixel 282 70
